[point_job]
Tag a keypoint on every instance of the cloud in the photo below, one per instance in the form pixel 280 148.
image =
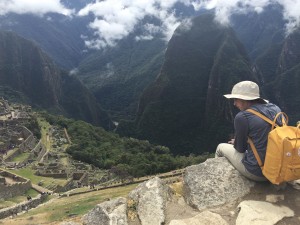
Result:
pixel 73 71
pixel 115 19
pixel 224 9
pixel 36 7
pixel 291 12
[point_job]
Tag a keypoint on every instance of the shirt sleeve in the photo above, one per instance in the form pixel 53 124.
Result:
pixel 241 132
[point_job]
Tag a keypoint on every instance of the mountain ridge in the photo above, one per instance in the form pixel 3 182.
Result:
pixel 184 106
pixel 27 69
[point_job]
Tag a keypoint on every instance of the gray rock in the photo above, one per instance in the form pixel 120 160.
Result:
pixel 107 213
pixel 204 218
pixel 274 198
pixel 69 223
pixel 213 183
pixel 257 213
pixel 150 199
pixel 295 184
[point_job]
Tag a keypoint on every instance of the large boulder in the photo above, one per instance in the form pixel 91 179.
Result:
pixel 150 199
pixel 204 218
pixel 108 213
pixel 213 183
pixel 69 223
pixel 258 212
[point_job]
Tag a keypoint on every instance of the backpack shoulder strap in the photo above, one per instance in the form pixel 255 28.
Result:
pixel 255 153
pixel 262 117
pixel 254 150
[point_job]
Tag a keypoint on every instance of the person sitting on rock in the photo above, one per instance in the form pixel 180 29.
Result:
pixel 246 95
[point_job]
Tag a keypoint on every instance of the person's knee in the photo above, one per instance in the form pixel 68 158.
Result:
pixel 219 150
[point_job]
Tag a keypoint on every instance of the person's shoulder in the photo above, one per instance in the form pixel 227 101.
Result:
pixel 242 115
pixel 272 106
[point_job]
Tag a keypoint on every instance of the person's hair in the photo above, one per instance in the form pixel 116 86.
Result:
pixel 257 101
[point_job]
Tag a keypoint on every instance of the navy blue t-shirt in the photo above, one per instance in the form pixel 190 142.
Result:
pixel 246 124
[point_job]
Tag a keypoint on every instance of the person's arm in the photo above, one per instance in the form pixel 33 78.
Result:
pixel 241 132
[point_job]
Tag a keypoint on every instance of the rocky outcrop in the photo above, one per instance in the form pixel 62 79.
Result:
pixel 150 200
pixel 258 212
pixel 203 218
pixel 69 223
pixel 107 213
pixel 214 193
pixel 214 182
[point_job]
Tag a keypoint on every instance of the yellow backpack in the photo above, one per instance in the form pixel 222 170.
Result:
pixel 282 161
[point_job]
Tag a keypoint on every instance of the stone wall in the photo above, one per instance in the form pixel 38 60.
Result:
pixel 29 142
pixel 15 177
pixel 77 175
pixel 14 210
pixel 2 180
pixel 54 175
pixel 39 150
pixel 68 186
pixel 12 155
pixel 84 180
pixel 15 189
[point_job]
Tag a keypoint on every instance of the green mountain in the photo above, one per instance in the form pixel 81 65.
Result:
pixel 117 76
pixel 26 69
pixel 280 69
pixel 56 34
pixel 184 108
pixel 259 31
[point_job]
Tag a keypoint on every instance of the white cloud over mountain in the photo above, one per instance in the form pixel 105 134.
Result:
pixel 116 19
pixel 224 9
pixel 37 7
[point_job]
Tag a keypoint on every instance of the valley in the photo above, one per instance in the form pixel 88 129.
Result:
pixel 37 165
pixel 96 98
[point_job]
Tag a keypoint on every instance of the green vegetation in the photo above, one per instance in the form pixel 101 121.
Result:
pixel 123 156
pixel 118 76
pixel 21 157
pixel 62 208
pixel 44 129
pixel 12 95
pixel 34 126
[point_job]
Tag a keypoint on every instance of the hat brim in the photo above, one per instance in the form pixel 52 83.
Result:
pixel 244 97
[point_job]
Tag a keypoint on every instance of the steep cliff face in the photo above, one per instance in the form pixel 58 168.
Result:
pixel 279 69
pixel 56 34
pixel 27 69
pixel 184 108
pixel 259 31
pixel 286 84
pixel 118 75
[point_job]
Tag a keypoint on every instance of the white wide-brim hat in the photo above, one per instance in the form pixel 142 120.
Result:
pixel 246 90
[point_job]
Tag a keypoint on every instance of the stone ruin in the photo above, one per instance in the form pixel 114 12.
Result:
pixel 12 185
pixel 52 169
